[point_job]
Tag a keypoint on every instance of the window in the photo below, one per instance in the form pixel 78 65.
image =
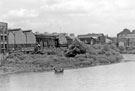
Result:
pixel 2 46
pixel 5 45
pixel 5 38
pixel 2 38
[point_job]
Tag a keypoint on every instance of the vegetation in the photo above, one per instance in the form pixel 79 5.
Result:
pixel 76 56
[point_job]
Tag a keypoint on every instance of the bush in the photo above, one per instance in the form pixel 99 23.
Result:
pixel 80 56
pixel 98 46
pixel 106 47
pixel 108 53
pixel 76 48
pixel 90 50
pixel 103 60
pixel 121 48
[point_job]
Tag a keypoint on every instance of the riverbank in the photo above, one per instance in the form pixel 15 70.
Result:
pixel 76 56
pixel 44 63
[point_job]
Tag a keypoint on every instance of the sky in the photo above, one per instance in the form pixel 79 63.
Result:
pixel 70 16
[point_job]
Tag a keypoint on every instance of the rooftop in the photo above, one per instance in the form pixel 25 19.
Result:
pixel 16 29
pixel 27 30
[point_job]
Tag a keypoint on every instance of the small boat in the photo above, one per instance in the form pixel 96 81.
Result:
pixel 58 70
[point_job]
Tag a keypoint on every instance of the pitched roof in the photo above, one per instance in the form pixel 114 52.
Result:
pixel 133 31
pixel 125 32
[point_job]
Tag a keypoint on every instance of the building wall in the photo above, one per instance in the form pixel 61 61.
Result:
pixel 46 40
pixel 102 39
pixel 92 38
pixel 19 37
pixel 88 40
pixel 11 38
pixel 124 41
pixel 3 37
pixel 122 38
pixel 30 38
pixel 132 42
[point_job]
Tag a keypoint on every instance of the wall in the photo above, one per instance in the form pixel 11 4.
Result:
pixel 19 37
pixel 11 38
pixel 31 39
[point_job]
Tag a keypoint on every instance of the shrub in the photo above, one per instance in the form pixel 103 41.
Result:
pixel 98 46
pixel 106 47
pixel 103 60
pixel 108 53
pixel 76 48
pixel 80 56
pixel 121 48
pixel 90 50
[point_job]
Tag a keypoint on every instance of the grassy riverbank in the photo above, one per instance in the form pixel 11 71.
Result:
pixel 51 58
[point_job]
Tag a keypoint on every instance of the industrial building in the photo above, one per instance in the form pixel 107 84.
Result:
pixel 3 37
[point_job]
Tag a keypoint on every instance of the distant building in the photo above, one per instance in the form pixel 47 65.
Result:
pixel 16 38
pixel 3 37
pixel 69 40
pixel 53 40
pixel 122 37
pixel 64 40
pixel 30 40
pixel 46 40
pixel 72 35
pixel 114 40
pixel 108 40
pixel 30 37
pixel 92 38
pixel 130 39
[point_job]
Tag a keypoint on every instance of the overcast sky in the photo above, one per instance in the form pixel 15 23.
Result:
pixel 71 16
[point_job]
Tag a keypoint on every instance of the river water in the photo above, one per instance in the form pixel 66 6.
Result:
pixel 116 77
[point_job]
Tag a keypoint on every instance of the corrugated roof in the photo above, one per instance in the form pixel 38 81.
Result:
pixel 125 32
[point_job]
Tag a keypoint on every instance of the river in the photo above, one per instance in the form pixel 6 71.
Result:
pixel 116 77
